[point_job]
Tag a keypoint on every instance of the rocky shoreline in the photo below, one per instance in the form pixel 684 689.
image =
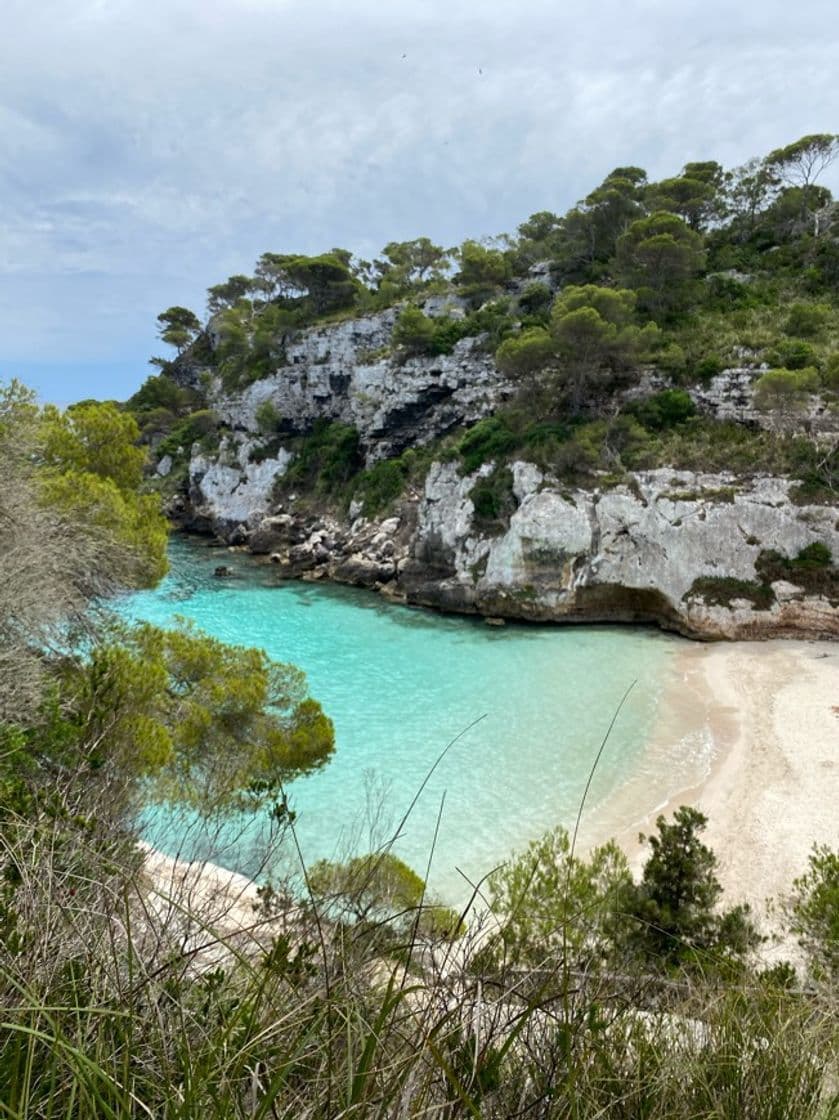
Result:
pixel 683 550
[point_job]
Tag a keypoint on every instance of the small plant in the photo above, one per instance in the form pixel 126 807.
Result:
pixel 493 500
pixel 268 418
pixel 721 591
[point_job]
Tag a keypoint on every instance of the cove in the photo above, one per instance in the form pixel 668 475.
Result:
pixel 401 683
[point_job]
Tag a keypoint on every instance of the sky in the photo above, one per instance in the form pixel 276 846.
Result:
pixel 152 148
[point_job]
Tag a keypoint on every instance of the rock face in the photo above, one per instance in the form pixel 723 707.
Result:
pixel 685 550
pixel 345 372
pixel 232 490
pixel 669 549
pixel 676 548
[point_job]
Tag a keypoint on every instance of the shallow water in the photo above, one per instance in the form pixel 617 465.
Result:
pixel 400 684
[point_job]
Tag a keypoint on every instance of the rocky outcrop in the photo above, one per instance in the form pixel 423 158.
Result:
pixel 684 550
pixel 677 548
pixel 347 372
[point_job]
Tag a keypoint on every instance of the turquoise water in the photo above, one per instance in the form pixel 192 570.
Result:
pixel 400 684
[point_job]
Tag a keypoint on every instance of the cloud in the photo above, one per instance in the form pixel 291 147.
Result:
pixel 151 147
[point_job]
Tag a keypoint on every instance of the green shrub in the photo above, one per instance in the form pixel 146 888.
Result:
pixel 493 500
pixel 536 299
pixel 381 485
pixel 525 353
pixel 327 458
pixel 201 425
pixel 806 320
pixel 664 410
pixel 830 372
pixel 414 331
pixel 491 438
pixel 815 913
pixel 786 389
pixel 794 353
pixel 707 368
pixel 268 419
pixel 721 591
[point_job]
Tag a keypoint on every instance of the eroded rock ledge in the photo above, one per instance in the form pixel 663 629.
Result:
pixel 709 556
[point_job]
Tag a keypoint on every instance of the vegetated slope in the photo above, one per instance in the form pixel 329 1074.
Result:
pixel 626 412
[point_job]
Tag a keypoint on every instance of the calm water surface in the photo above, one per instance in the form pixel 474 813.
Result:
pixel 400 684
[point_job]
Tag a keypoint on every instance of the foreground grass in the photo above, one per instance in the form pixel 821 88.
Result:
pixel 119 1003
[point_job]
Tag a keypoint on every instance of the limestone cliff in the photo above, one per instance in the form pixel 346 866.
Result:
pixel 709 555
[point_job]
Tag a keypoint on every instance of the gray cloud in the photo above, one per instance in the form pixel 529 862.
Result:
pixel 154 146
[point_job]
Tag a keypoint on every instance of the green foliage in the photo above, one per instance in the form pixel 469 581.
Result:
pixel 667 409
pixel 410 265
pixel 694 195
pixel 659 257
pixel 793 353
pixel 830 372
pixel 594 338
pixel 814 913
pixel 489 439
pixel 786 389
pixel 200 426
pixel 674 907
pixel 96 439
pixel 159 391
pixel 380 891
pixel 493 500
pixel 380 485
pixel 813 569
pixel 553 903
pixel 326 459
pixel 482 270
pixel 524 354
pixel 806 320
pixel 268 419
pixel 721 591
pixel 179 327
pixel 414 332
pixel 206 724
pixel 90 471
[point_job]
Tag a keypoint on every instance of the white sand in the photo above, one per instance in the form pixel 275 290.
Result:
pixel 774 789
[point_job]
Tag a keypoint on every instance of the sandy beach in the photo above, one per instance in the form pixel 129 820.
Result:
pixel 774 787
pixel 772 791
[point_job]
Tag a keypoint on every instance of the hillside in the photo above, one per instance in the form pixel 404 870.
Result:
pixel 625 413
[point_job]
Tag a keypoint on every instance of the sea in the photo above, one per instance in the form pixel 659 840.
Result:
pixel 457 743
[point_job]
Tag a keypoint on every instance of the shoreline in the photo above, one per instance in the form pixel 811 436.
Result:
pixel 772 787
pixel 764 717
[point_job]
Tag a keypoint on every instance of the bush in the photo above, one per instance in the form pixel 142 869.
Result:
pixel 786 389
pixel 201 425
pixel 326 459
pixel 493 500
pixel 381 485
pixel 525 353
pixel 268 419
pixel 536 299
pixel 491 438
pixel 830 372
pixel 815 913
pixel 793 354
pixel 414 331
pixel 806 320
pixel 664 410
pixel 552 902
pixel 707 368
